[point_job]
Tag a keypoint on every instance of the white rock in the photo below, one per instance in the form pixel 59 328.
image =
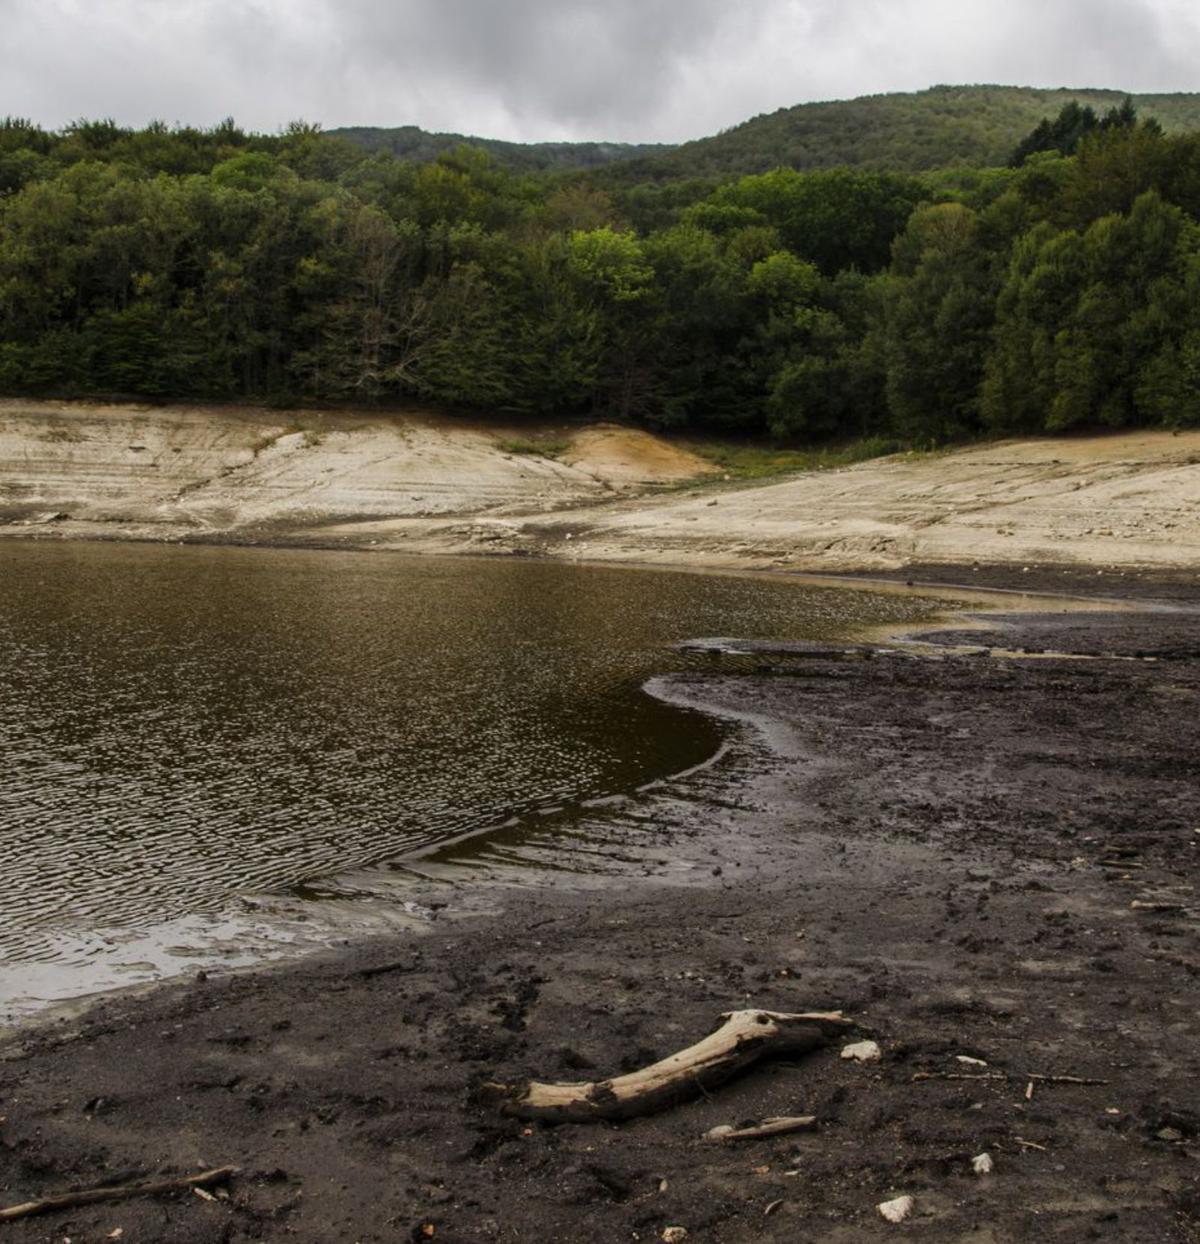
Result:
pixel 863 1052
pixel 983 1164
pixel 968 1061
pixel 673 1235
pixel 897 1210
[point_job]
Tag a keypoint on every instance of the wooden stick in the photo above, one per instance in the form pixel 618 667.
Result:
pixel 116 1192
pixel 744 1038
pixel 1003 1075
pixel 1065 1079
pixel 768 1127
pixel 958 1075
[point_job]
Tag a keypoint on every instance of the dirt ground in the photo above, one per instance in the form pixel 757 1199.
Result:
pixel 946 847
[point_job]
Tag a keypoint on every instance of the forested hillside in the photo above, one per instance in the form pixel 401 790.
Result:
pixel 409 142
pixel 937 128
pixel 1062 293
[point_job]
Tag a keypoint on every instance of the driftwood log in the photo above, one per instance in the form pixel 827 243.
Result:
pixel 744 1038
pixel 116 1192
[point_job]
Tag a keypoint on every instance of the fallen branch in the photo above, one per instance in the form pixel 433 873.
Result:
pixel 779 1126
pixel 116 1192
pixel 744 1038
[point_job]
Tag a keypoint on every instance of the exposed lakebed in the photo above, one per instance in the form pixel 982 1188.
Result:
pixel 187 728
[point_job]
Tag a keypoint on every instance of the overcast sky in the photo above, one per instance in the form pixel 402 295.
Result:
pixel 649 70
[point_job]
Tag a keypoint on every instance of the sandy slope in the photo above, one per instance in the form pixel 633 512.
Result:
pixel 428 484
pixel 195 471
pixel 1128 500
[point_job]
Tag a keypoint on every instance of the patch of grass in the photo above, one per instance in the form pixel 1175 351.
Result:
pixel 65 436
pixel 259 443
pixel 312 436
pixel 535 446
pixel 742 460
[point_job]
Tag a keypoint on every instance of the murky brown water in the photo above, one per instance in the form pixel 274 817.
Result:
pixel 182 727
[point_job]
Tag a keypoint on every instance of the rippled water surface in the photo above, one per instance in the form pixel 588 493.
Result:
pixel 184 726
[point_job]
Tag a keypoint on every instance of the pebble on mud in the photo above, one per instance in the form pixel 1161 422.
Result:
pixel 982 1164
pixel 897 1210
pixel 673 1235
pixel 863 1052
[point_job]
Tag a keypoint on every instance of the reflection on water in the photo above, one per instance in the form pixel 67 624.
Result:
pixel 182 725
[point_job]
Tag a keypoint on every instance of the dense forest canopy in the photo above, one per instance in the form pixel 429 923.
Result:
pixel 174 262
pixel 409 142
pixel 902 132
pixel 910 132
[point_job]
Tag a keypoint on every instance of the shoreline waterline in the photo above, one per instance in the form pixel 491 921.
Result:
pixel 369 897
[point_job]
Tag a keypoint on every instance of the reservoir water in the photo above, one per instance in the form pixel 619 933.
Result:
pixel 183 727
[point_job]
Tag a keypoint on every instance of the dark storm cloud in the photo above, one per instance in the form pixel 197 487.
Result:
pixel 665 69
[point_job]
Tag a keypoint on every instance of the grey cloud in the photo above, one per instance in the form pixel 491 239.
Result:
pixel 629 69
pixel 577 62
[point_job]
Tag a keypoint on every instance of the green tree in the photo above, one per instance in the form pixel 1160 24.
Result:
pixel 938 305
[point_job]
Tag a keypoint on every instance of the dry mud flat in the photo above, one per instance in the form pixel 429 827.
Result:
pixel 947 849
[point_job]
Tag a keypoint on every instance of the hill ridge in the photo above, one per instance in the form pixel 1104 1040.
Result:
pixel 939 126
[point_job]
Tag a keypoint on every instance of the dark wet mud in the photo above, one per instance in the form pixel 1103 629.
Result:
pixel 947 849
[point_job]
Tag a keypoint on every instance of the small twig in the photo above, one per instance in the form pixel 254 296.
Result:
pixel 115 1192
pixel 1032 1078
pixel 768 1127
pixel 959 1075
pixel 1030 1144
pixel 1066 1080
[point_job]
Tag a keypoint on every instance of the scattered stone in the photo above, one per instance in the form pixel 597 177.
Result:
pixel 897 1210
pixel 673 1235
pixel 982 1164
pixel 863 1052
pixel 1169 1133
pixel 968 1061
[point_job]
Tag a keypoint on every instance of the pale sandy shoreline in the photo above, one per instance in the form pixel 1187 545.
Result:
pixel 420 483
